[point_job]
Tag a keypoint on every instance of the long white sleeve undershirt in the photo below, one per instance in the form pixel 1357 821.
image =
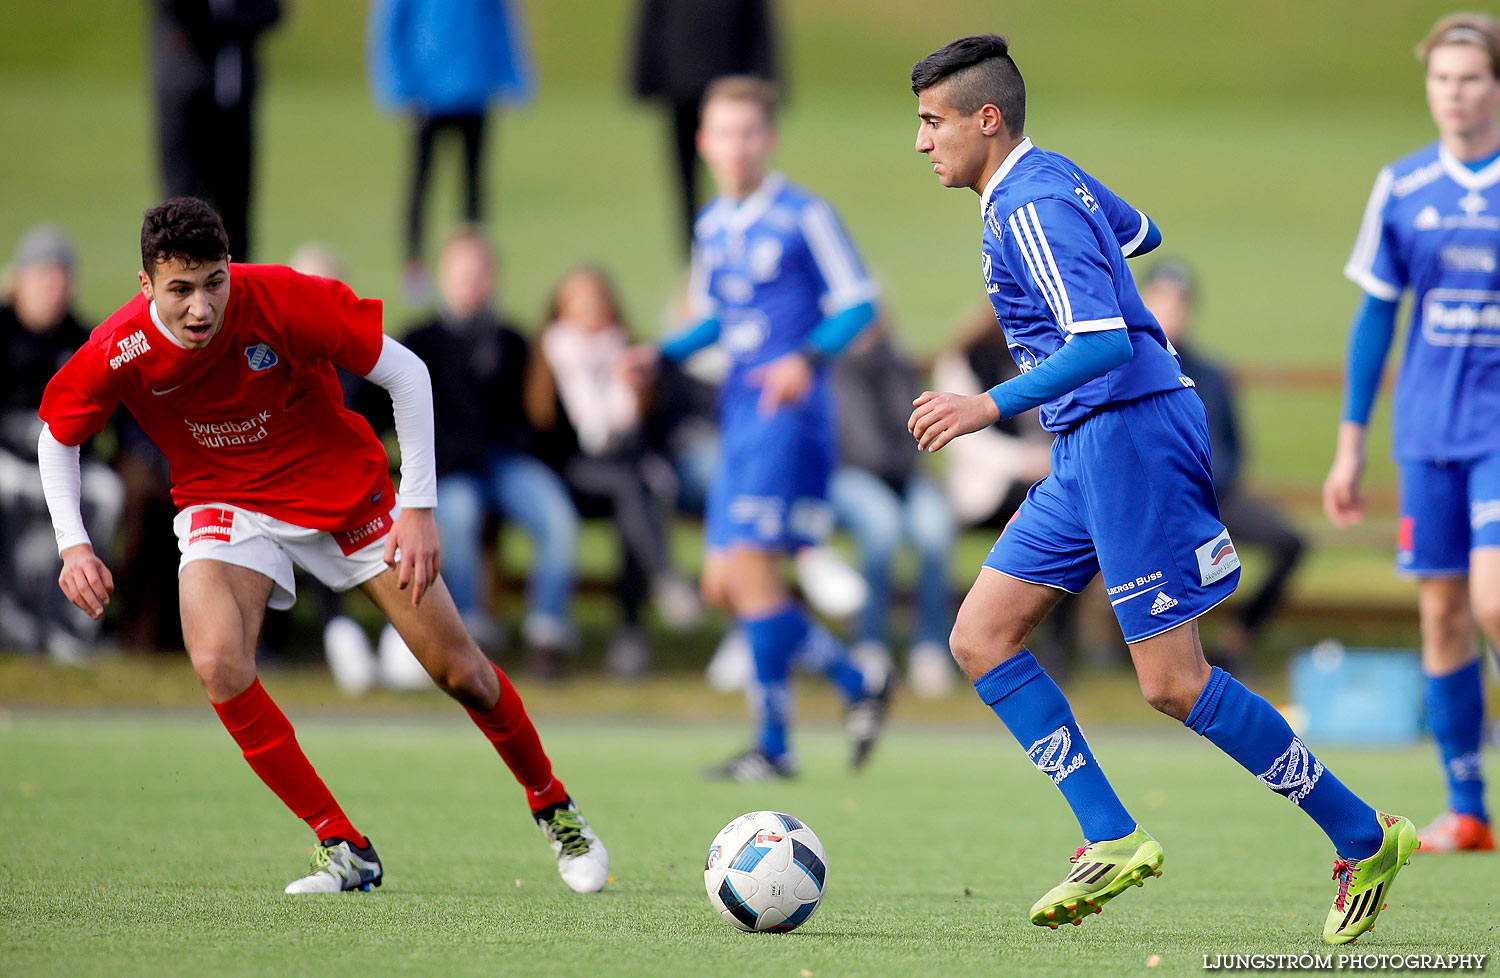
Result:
pixel 400 371
pixel 404 376
pixel 62 485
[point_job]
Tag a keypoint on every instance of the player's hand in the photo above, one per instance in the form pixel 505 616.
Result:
pixel 638 364
pixel 785 380
pixel 1342 501
pixel 415 535
pixel 85 579
pixel 939 418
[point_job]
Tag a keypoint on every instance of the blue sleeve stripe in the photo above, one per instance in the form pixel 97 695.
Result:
pixel 835 256
pixel 1046 278
pixel 1135 242
pixel 1367 242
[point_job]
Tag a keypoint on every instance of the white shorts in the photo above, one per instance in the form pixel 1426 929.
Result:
pixel 261 543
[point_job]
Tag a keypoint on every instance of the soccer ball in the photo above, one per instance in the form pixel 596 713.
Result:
pixel 765 871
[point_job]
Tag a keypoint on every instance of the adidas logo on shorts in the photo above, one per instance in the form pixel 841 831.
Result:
pixel 1163 602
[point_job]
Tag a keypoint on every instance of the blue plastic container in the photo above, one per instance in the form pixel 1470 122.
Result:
pixel 1358 696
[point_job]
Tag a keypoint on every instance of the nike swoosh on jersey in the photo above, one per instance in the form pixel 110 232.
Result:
pixel 167 391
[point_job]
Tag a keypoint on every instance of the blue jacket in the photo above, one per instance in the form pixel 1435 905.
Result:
pixel 448 56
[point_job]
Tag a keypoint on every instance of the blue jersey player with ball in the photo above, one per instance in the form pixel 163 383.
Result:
pixel 1130 497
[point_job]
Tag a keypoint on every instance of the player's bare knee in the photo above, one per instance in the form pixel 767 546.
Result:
pixel 712 589
pixel 1167 694
pixel 1446 625
pixel 464 674
pixel 223 676
pixel 977 651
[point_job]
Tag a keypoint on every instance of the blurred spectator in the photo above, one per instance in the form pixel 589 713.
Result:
pixel 989 471
pixel 989 474
pixel 680 47
pixel 38 333
pixel 1169 293
pixel 484 444
pixel 146 580
pixel 881 498
pixel 442 62
pixel 610 472
pixel 346 647
pixel 206 80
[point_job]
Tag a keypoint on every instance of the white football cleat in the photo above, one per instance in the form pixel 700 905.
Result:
pixel 733 666
pixel 337 866
pixel 582 861
pixel 350 657
pixel 677 602
pixel 831 586
pixel 399 668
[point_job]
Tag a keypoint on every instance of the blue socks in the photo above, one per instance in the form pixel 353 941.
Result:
pixel 1248 729
pixel 777 640
pixel 1037 714
pixel 1455 714
pixel 821 652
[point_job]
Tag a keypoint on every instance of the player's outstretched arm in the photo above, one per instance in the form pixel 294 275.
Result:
pixel 403 374
pixel 84 579
pixel 1370 335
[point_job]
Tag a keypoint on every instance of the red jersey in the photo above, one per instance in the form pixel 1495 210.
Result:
pixel 256 419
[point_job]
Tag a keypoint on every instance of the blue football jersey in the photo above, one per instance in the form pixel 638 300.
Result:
pixel 1055 244
pixel 770 268
pixel 1433 226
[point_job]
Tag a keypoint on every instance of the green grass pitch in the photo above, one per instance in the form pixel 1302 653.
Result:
pixel 141 844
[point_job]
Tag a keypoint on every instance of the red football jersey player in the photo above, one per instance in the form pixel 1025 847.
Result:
pixel 229 369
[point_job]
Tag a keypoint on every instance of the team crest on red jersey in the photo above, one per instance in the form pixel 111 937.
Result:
pixel 261 357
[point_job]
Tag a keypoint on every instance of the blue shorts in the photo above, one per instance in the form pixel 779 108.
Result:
pixel 1130 496
pixel 1447 509
pixel 771 488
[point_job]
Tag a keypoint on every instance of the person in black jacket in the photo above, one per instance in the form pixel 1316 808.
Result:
pixel 881 497
pixel 38 333
pixel 206 78
pixel 484 446
pixel 683 45
pixel 1169 292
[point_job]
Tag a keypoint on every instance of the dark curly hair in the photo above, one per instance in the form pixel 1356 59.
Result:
pixel 980 72
pixel 182 228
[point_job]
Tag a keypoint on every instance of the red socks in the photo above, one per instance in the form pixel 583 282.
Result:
pixel 265 736
pixel 509 729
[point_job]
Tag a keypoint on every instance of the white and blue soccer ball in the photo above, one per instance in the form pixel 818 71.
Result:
pixel 765 871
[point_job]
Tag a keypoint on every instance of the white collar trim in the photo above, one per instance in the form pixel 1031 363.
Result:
pixel 161 327
pixel 738 217
pixel 1465 177
pixel 1022 148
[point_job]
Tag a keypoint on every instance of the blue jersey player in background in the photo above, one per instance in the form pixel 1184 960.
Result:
pixel 1130 497
pixel 1433 226
pixel 776 283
